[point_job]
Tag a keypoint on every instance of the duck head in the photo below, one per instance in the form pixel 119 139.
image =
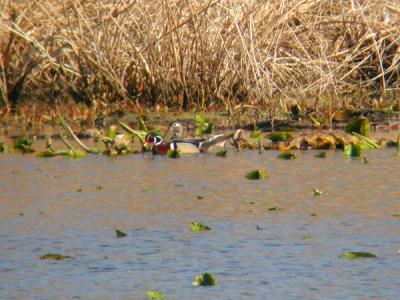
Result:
pixel 152 139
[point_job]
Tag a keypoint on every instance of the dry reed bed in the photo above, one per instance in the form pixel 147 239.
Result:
pixel 202 54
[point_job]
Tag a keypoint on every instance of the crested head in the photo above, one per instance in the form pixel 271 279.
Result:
pixel 153 139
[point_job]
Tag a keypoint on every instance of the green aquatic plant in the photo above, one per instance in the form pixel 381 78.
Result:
pixel 315 122
pixel 4 148
pixel 120 233
pixel 256 175
pixel 321 155
pixel 173 153
pixel 155 295
pixel 360 125
pixel 24 145
pixel 202 127
pixel 68 153
pixel 366 142
pixel 195 226
pixel 221 153
pixel 357 255
pixel 352 150
pixel 365 160
pixel 255 136
pixel 308 236
pixel 287 155
pixel 205 279
pixel 317 192
pixel 279 136
pixel 55 256
pixel 275 208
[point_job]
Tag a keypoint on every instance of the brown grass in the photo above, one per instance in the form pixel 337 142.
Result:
pixel 201 54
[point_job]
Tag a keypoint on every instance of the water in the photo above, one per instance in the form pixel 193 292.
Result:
pixel 154 200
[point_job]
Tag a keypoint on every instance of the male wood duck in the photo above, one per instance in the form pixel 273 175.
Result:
pixel 159 146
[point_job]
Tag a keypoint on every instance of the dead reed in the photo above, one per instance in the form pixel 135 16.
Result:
pixel 210 54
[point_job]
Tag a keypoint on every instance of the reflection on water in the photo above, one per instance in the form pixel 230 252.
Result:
pixel 154 200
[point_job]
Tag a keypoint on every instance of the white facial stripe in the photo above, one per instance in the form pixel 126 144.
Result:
pixel 158 140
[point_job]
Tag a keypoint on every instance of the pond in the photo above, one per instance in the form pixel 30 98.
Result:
pixel 269 239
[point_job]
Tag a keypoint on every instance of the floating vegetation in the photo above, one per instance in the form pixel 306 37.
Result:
pixel 200 197
pixel 313 215
pixel 155 295
pixel 195 226
pixel 221 153
pixel 279 136
pixel 308 236
pixel 365 160
pixel 205 279
pixel 24 145
pixel 275 208
pixel 366 142
pixel 4 148
pixel 173 153
pixel 287 155
pixel 120 233
pixel 353 150
pixel 79 190
pixel 357 255
pixel 321 155
pixel 317 192
pixel 361 126
pixel 55 256
pixel 256 175
pixel 202 127
pixel 68 153
pixel 99 188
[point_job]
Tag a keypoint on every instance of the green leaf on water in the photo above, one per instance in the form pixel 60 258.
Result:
pixel 195 226
pixel 221 153
pixel 120 234
pixel 279 136
pixel 308 236
pixel 317 192
pixel 287 155
pixel 205 279
pixel 274 208
pixel 79 190
pixel 256 175
pixel 155 295
pixel 55 256
pixel 99 188
pixel 357 255
pixel 352 150
pixel 360 125
pixel 320 155
pixel 24 145
pixel 173 153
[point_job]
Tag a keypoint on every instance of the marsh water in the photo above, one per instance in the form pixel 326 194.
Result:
pixel 72 207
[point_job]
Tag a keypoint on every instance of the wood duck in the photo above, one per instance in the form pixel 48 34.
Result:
pixel 159 146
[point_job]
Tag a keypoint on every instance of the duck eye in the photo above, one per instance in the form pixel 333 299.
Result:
pixel 157 140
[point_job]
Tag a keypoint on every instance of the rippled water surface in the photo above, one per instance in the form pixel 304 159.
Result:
pixel 154 200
